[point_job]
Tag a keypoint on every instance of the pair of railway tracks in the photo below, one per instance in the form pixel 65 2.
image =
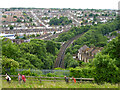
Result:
pixel 60 59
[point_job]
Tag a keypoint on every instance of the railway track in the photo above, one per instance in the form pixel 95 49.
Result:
pixel 60 59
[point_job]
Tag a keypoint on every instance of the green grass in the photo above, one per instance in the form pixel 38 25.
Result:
pixel 0 83
pixel 45 84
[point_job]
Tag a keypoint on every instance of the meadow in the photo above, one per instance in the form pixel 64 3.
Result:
pixel 50 84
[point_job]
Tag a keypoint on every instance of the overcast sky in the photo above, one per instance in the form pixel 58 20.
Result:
pixel 83 4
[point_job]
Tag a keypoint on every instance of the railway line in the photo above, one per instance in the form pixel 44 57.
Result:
pixel 60 59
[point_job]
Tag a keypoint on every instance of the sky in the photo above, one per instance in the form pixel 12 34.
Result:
pixel 83 4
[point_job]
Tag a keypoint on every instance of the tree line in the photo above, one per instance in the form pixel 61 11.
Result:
pixel 37 54
pixel 61 21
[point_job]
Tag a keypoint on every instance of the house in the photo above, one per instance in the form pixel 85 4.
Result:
pixel 17 41
pixel 14 13
pixel 85 53
pixel 9 19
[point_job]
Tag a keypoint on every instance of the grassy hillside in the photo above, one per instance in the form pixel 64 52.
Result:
pixel 37 84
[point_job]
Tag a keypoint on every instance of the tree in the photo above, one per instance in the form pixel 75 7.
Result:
pixel 25 37
pixel 69 61
pixel 33 55
pixel 9 63
pixel 25 64
pixel 33 35
pixel 106 70
pixel 34 60
pixel 86 21
pixel 17 37
pixel 48 11
pixel 11 27
pixel 30 19
pixel 10 50
pixel 61 21
pixel 113 33
pixel 50 46
pixel 49 61
pixel 73 63
pixel 93 23
pixel 37 35
pixel 4 16
pixel 14 16
pixel 113 49
pixel 91 14
pixel 18 20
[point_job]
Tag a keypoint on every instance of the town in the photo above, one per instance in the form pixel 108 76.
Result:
pixel 22 24
pixel 59 47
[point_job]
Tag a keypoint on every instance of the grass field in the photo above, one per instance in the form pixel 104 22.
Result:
pixel 45 84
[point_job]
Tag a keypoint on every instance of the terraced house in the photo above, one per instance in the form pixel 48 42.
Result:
pixel 85 53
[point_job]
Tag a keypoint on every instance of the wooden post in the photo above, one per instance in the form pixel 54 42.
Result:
pixel 40 79
pixel 54 79
pixel 81 80
pixel 68 79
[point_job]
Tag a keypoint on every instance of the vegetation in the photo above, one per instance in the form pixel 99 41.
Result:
pixel 70 62
pixel 107 63
pixel 61 21
pixel 45 18
pixel 113 33
pixel 39 54
pixel 30 19
pixel 18 20
pixel 71 33
pixel 4 16
pixel 14 16
pixel 11 27
pixel 36 54
pixel 94 37
pixel 44 84
pixel 105 66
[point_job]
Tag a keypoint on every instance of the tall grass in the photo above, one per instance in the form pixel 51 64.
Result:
pixel 45 84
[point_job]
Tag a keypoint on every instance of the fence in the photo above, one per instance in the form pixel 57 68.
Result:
pixel 44 72
pixel 54 79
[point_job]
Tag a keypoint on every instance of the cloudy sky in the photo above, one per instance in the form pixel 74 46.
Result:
pixel 83 4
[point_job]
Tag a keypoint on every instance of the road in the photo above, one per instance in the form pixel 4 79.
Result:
pixel 35 17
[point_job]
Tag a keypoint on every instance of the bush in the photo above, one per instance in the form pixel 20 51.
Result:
pixel 106 70
pixel 51 75
pixel 82 72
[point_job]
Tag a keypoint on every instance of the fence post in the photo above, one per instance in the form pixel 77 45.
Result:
pixel 68 79
pixel 54 79
pixel 40 79
pixel 80 80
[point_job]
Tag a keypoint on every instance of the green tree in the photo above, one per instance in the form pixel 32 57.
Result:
pixel 106 70
pixel 14 16
pixel 17 37
pixel 9 63
pixel 10 50
pixel 50 46
pixel 11 27
pixel 113 33
pixel 4 16
pixel 25 37
pixel 69 61
pixel 30 19
pixel 34 60
pixel 18 20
